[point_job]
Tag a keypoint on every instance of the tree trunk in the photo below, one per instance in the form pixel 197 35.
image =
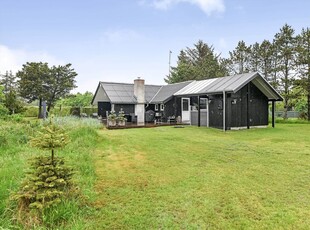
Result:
pixel 285 111
pixel 49 106
pixel 40 115
pixel 53 156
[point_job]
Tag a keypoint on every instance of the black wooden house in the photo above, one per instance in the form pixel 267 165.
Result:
pixel 233 102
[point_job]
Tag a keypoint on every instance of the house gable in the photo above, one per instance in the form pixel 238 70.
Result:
pixel 100 95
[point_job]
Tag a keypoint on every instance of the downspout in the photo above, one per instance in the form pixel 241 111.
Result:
pixel 224 111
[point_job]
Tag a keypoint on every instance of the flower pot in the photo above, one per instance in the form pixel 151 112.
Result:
pixel 121 123
pixel 111 122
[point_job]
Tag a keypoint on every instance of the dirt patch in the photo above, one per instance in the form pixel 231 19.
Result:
pixel 124 161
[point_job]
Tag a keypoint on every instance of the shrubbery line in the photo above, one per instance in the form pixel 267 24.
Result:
pixel 32 111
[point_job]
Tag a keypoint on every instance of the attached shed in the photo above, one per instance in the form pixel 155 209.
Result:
pixel 239 101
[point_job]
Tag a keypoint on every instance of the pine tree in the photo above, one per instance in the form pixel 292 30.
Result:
pixel 197 63
pixel 12 102
pixel 254 58
pixel 284 43
pixel 265 59
pixel 184 70
pixel 303 63
pixel 239 59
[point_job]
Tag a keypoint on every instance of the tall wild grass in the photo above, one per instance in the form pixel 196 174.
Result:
pixel 15 153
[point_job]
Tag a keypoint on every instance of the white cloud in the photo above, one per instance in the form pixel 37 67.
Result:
pixel 207 6
pixel 13 59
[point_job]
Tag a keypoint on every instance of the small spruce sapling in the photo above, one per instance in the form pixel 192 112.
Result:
pixel 49 179
pixel 50 138
pixel 121 118
pixel 112 118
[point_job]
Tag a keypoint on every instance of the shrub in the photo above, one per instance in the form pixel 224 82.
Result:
pixel 14 117
pixel 75 111
pixel 61 111
pixel 31 111
pixel 46 182
pixel 3 111
pixel 3 140
pixel 89 110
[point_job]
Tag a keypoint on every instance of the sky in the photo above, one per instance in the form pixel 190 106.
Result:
pixel 120 40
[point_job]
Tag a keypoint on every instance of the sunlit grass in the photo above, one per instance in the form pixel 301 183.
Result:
pixel 15 153
pixel 204 178
pixel 169 178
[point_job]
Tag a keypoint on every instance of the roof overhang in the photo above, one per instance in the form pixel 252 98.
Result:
pixel 195 88
pixel 267 89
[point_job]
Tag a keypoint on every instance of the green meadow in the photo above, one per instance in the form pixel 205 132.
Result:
pixel 169 178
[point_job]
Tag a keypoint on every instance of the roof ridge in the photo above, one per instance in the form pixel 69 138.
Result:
pixel 179 82
pixel 123 83
pixel 156 94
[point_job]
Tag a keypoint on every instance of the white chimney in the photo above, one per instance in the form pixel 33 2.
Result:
pixel 139 92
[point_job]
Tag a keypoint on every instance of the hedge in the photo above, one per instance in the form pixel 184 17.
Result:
pixel 32 111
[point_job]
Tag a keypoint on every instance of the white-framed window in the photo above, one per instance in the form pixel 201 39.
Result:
pixel 156 107
pixel 162 107
pixel 203 103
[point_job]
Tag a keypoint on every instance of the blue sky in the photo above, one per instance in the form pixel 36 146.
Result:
pixel 109 40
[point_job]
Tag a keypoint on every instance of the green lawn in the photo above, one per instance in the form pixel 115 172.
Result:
pixel 203 178
pixel 191 178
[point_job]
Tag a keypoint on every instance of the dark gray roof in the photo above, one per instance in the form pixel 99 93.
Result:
pixel 230 84
pixel 167 91
pixel 151 91
pixel 123 93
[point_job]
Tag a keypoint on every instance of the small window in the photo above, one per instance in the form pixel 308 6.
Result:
pixel 162 107
pixel 156 107
pixel 203 103
pixel 185 104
